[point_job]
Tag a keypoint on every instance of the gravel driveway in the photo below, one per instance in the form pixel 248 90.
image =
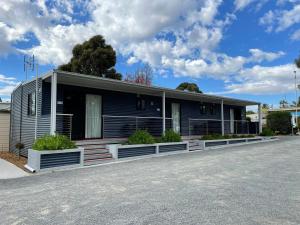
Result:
pixel 254 184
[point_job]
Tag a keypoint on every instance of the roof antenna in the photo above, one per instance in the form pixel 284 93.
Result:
pixel 28 64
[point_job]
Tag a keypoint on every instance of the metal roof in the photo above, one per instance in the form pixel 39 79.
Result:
pixel 83 80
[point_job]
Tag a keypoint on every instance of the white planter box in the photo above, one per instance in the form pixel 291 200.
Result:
pixel 54 159
pixel 211 144
pixel 124 151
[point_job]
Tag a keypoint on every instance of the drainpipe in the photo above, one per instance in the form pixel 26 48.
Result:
pixel 259 118
pixel 53 103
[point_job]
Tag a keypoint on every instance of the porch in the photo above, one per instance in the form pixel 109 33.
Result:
pixel 85 107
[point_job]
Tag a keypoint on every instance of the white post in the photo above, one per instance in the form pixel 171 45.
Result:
pixel 164 112
pixel 36 102
pixel 53 103
pixel 259 118
pixel 222 117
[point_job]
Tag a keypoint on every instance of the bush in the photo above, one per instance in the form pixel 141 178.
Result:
pixel 141 137
pixel 170 136
pixel 267 132
pixel 280 122
pixel 53 142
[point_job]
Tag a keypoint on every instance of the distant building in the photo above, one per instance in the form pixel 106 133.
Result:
pixel 254 118
pixel 4 125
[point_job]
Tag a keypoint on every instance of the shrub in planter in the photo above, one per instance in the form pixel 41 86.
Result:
pixel 53 142
pixel 280 122
pixel 170 136
pixel 267 132
pixel 141 137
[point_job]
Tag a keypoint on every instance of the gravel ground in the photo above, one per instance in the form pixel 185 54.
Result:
pixel 254 184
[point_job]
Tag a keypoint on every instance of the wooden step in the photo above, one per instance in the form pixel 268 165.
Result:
pixel 95 151
pixel 97 156
pixel 97 161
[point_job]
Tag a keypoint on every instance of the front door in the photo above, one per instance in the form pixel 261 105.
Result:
pixel 176 117
pixel 93 114
pixel 231 121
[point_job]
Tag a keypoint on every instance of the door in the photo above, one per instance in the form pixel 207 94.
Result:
pixel 231 121
pixel 176 117
pixel 93 114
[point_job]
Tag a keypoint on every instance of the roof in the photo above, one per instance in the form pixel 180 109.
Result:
pixel 4 106
pixel 84 80
pixel 289 109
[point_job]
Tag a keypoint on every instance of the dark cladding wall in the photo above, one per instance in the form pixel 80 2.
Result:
pixel 124 104
pixel 22 124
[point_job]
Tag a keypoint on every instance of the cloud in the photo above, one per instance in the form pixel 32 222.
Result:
pixel 7 84
pixel 260 56
pixel 296 35
pixel 280 20
pixel 260 80
pixel 242 4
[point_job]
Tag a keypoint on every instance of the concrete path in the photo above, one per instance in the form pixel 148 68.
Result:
pixel 252 185
pixel 9 170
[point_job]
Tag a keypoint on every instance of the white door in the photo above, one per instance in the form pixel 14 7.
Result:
pixel 176 117
pixel 93 108
pixel 231 121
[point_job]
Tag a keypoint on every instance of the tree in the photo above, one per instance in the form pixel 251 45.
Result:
pixel 191 87
pixel 283 104
pixel 93 57
pixel 142 75
pixel 297 62
pixel 280 122
pixel 0 99
pixel 249 112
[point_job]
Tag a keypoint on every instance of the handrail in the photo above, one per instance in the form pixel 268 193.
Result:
pixel 64 114
pixel 139 117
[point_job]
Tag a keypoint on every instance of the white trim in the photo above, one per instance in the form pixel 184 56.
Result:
pixel 260 117
pixel 164 112
pixel 53 103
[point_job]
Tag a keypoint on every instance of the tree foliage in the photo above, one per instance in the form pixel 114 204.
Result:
pixel 297 62
pixel 280 122
pixel 142 75
pixel 93 57
pixel 191 87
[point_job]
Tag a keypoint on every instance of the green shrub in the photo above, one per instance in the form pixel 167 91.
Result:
pixel 267 132
pixel 171 136
pixel 280 122
pixel 53 142
pixel 141 137
pixel 212 137
pixel 226 136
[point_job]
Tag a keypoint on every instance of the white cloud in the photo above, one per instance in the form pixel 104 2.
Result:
pixel 263 80
pixel 296 35
pixel 260 56
pixel 7 84
pixel 280 20
pixel 241 4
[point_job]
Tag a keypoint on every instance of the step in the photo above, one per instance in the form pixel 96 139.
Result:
pixel 97 156
pixel 90 147
pixel 97 161
pixel 100 141
pixel 95 151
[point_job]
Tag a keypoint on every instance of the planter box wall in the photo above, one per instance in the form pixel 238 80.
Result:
pixel 203 144
pixel 54 159
pixel 125 151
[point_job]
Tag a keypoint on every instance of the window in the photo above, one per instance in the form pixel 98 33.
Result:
pixel 212 109
pixel 203 109
pixel 140 104
pixel 31 104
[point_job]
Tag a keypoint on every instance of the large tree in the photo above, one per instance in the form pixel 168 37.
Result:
pixel 192 87
pixel 93 57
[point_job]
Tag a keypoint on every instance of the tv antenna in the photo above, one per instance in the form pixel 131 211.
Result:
pixel 28 64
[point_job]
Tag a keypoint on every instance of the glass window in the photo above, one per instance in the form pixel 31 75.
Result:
pixel 140 104
pixel 203 109
pixel 31 104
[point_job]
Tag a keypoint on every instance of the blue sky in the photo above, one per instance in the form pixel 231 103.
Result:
pixel 242 48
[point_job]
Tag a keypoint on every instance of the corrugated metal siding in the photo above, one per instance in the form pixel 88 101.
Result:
pixel 24 125
pixel 4 131
pixel 131 152
pixel 59 159
pixel 172 148
pixel 15 130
